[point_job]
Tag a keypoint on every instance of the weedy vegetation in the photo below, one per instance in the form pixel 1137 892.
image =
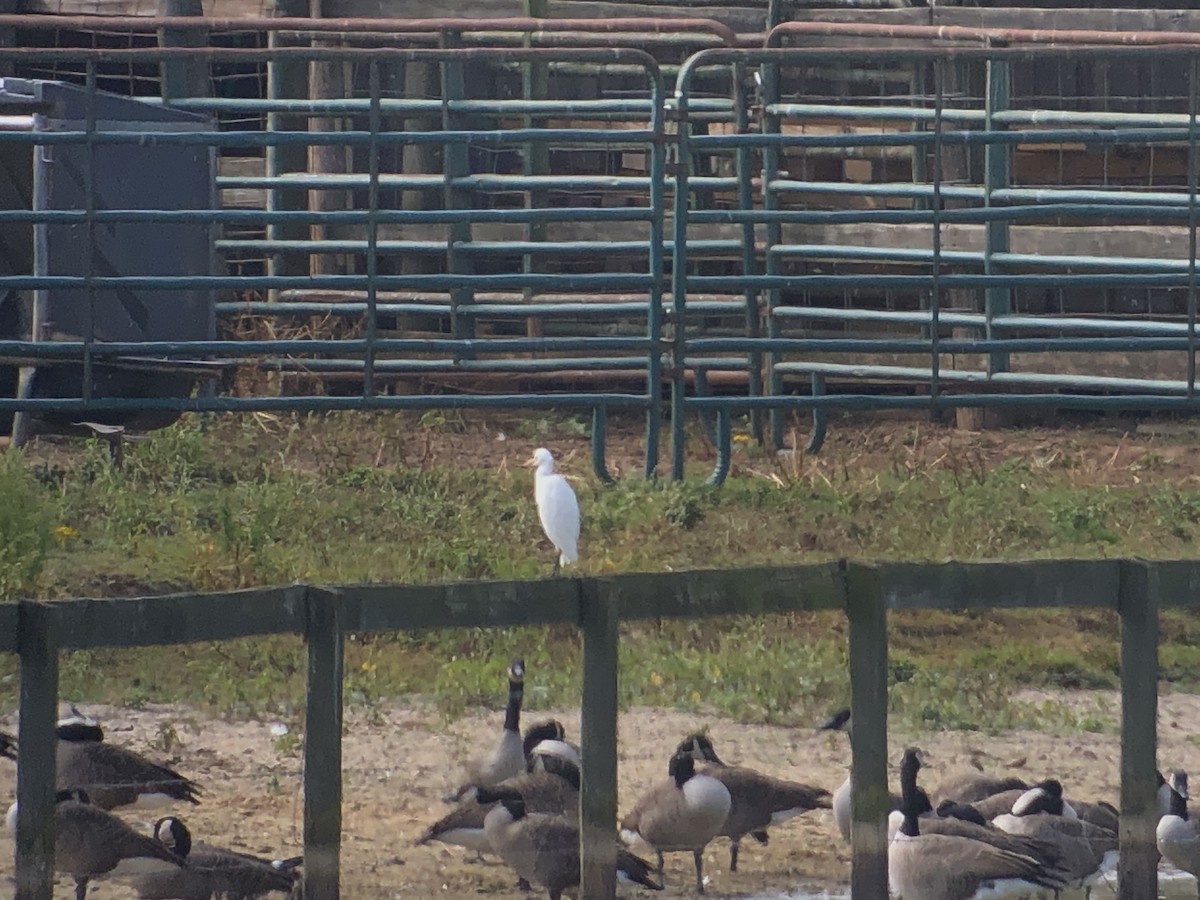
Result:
pixel 220 503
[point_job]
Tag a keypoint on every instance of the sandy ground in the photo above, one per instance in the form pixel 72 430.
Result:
pixel 400 760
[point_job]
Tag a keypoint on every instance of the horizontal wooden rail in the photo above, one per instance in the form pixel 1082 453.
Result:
pixel 326 614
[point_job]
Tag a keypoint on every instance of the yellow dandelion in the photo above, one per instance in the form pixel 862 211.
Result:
pixel 741 438
pixel 64 533
pixel 369 666
pixel 695 696
pixel 715 670
pixel 656 679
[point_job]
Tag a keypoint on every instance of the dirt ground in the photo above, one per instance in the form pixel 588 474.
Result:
pixel 399 760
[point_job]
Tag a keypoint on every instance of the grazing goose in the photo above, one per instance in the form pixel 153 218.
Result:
pixel 840 721
pixel 508 757
pixel 213 871
pixel 684 812
pixel 1088 851
pixel 550 786
pixel 757 800
pixel 544 849
pixel 558 508
pixel 1177 836
pixel 91 843
pixel 923 865
pixel 971 787
pixel 113 776
pixel 550 738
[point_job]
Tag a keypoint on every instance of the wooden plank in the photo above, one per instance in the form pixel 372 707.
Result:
pixel 598 742
pixel 482 604
pixel 869 798
pixel 180 618
pixel 323 748
pixel 1139 592
pixel 749 591
pixel 1001 585
pixel 38 637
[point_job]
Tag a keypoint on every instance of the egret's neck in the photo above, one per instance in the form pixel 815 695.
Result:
pixel 545 468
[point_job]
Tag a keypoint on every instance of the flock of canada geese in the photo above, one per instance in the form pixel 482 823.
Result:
pixel 986 837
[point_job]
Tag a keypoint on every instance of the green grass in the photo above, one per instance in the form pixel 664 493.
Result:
pixel 233 503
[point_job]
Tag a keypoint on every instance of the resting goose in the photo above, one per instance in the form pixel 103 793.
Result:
pixel 1088 851
pixel 543 848
pixel 507 757
pixel 213 871
pixel 930 866
pixel 684 812
pixel 91 842
pixel 757 800
pixel 972 787
pixel 113 776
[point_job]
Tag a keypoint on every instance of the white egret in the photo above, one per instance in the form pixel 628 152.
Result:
pixel 558 508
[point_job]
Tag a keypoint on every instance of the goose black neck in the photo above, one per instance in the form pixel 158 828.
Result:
pixel 78 731
pixel 512 713
pixel 910 796
pixel 1178 805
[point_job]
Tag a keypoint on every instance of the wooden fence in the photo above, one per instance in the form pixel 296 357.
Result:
pixel 324 615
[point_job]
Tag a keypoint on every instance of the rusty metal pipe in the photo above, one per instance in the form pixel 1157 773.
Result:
pixel 984 35
pixel 649 25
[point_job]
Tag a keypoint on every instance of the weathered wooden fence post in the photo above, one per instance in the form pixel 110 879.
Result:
pixel 868 733
pixel 598 735
pixel 1137 602
pixel 323 747
pixel 37 641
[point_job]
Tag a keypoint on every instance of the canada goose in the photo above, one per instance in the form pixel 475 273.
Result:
pixel 929 866
pixel 543 848
pixel 971 787
pixel 840 721
pixel 684 812
pixel 1088 851
pixel 549 738
pixel 550 786
pixel 112 775
pixel 558 508
pixel 1177 836
pixel 213 871
pixel 964 812
pixel 91 842
pixel 757 800
pixel 508 757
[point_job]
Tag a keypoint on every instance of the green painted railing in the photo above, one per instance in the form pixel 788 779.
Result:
pixel 325 615
pixel 651 242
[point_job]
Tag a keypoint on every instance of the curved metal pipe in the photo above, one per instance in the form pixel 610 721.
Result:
pixel 599 434
pixel 724 445
pixel 820 420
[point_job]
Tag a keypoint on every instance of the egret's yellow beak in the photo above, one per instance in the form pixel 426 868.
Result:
pixel 529 463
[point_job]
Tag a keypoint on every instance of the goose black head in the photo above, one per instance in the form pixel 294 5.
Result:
pixel 549 730
pixel 72 795
pixel 1044 797
pixel 174 835
pixel 949 809
pixel 1179 783
pixel 699 746
pixel 512 801
pixel 516 671
pixel 837 722
pixel 681 768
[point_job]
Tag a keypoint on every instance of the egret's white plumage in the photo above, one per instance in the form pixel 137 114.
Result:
pixel 558 508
